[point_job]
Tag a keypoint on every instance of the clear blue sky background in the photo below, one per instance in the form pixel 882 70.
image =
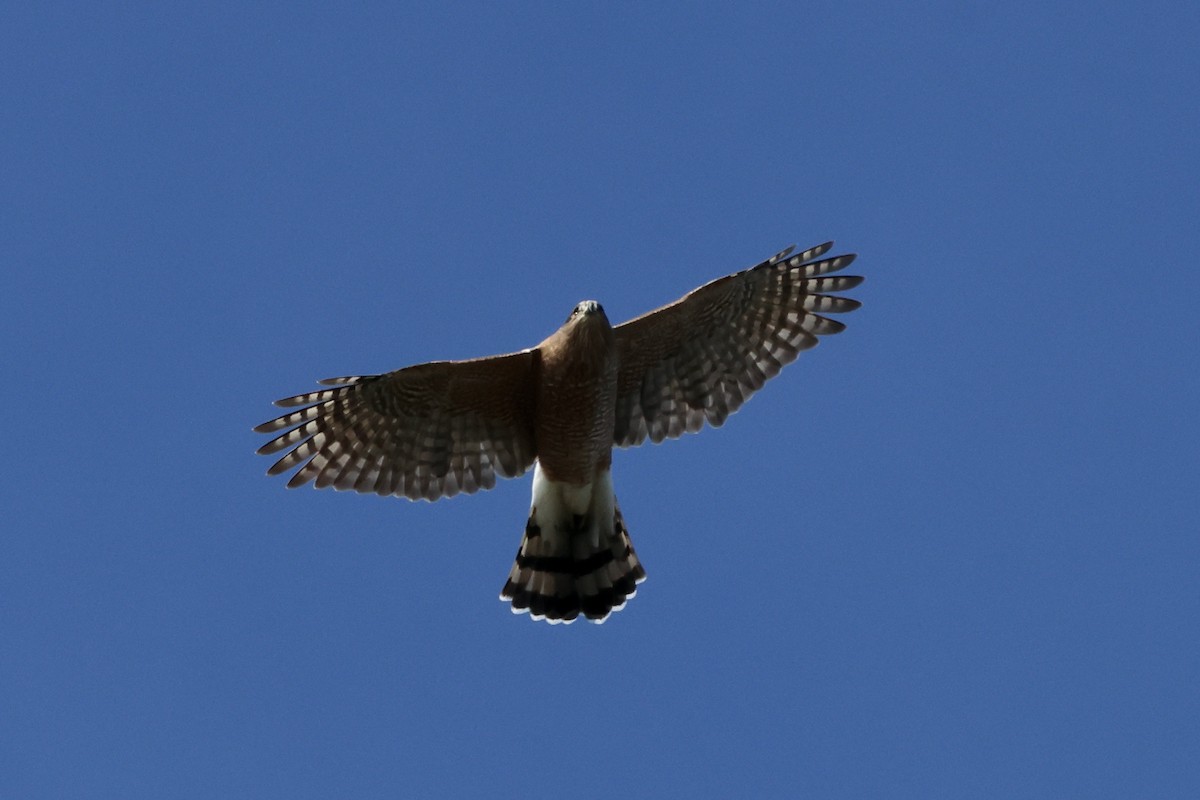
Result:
pixel 952 552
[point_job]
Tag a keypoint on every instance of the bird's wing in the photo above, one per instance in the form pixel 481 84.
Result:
pixel 424 432
pixel 699 358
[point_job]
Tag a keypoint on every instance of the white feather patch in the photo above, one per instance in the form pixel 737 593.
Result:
pixel 555 504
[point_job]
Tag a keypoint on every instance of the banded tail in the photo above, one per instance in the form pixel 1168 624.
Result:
pixel 576 556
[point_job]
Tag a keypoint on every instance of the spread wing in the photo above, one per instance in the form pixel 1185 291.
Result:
pixel 424 432
pixel 699 358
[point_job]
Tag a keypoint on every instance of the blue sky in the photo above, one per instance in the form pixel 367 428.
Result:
pixel 951 552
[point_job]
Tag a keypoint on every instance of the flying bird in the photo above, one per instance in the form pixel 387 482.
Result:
pixel 434 430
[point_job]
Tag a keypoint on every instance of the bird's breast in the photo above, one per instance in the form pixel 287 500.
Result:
pixel 576 407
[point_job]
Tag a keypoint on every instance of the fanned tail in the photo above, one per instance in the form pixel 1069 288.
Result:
pixel 571 563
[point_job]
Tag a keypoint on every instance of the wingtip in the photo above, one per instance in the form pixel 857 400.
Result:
pixel 782 254
pixel 818 251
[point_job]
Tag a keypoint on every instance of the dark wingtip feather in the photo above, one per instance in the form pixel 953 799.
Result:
pixel 782 254
pixel 291 402
pixel 816 252
pixel 825 326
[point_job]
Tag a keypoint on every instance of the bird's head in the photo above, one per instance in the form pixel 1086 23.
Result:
pixel 587 310
pixel 588 322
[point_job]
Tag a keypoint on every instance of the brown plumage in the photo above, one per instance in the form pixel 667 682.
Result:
pixel 436 429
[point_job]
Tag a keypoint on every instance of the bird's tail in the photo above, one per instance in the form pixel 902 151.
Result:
pixel 576 556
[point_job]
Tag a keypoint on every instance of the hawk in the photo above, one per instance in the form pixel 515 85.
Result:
pixel 436 429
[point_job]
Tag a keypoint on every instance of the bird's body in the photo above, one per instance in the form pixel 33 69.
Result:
pixel 576 555
pixel 436 429
pixel 575 409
